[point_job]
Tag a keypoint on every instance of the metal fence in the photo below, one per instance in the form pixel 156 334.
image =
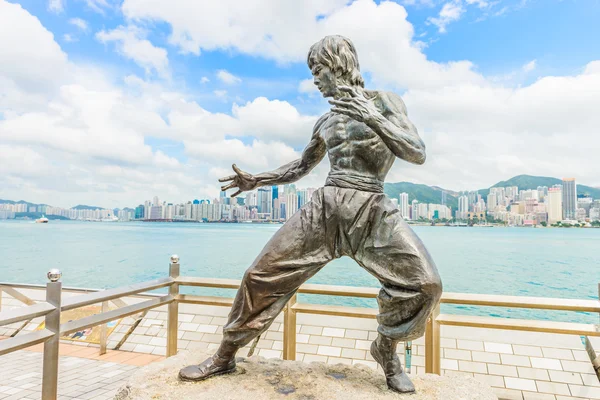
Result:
pixel 54 305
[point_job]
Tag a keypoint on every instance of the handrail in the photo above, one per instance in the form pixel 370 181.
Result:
pixel 566 328
pixel 20 285
pixel 25 313
pixel 23 341
pixel 98 319
pixel 538 303
pixel 110 294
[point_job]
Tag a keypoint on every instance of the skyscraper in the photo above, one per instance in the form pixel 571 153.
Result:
pixel 569 198
pixel 555 206
pixel 274 196
pixel 291 200
pixel 403 204
pixel 463 207
pixel 264 200
pixel 472 197
pixel 414 211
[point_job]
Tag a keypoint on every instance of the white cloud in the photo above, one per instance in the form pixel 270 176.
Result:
pixel 204 79
pixel 221 94
pixel 307 86
pixel 131 43
pixel 450 12
pixel 501 131
pixel 274 120
pixel 530 66
pixel 426 3
pixel 99 6
pixel 227 77
pixel 381 32
pixel 79 23
pixel 43 58
pixel 67 37
pixel 479 3
pixel 56 6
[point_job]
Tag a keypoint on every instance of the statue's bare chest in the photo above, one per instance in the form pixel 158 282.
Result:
pixel 342 130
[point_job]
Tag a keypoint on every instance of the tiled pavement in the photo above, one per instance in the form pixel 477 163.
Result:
pixel 518 365
pixel 83 374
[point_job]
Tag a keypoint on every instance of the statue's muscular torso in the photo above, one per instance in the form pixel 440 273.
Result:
pixel 353 148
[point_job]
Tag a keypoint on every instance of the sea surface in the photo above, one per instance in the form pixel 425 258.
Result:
pixel 561 263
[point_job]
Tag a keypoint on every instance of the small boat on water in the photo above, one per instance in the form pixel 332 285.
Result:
pixel 42 220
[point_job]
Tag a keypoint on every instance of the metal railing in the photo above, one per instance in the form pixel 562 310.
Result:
pixel 53 306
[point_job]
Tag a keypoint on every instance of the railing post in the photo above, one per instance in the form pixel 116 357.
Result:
pixel 432 344
pixel 52 323
pixel 289 330
pixel 408 356
pixel 103 330
pixel 173 315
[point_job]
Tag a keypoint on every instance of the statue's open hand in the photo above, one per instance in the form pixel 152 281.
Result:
pixel 241 180
pixel 354 105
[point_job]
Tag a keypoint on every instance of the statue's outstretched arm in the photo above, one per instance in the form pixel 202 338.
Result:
pixel 288 173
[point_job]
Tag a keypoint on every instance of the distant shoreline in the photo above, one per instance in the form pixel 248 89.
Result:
pixel 410 223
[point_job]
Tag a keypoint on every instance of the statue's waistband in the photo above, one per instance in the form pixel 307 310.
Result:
pixel 357 182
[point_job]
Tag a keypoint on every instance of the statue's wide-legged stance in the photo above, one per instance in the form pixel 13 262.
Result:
pixel 339 222
pixel 363 134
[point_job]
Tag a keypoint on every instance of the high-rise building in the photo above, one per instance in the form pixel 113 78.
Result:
pixel 302 197
pixel 291 200
pixel 542 192
pixel 264 200
pixel 512 192
pixel 403 204
pixel 274 202
pixel 413 210
pixel 555 206
pixel 139 212
pixel 147 206
pixel 569 198
pixel 585 203
pixel 252 199
pixel 463 207
pixel 473 197
pixel 492 202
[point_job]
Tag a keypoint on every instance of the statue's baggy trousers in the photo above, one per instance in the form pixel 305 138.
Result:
pixel 365 226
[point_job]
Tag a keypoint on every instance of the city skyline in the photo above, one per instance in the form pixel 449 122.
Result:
pixel 544 205
pixel 444 191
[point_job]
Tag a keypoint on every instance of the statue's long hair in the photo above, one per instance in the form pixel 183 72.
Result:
pixel 339 55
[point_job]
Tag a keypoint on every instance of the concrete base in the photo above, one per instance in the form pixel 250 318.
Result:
pixel 258 378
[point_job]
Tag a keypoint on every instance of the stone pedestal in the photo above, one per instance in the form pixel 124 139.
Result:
pixel 257 378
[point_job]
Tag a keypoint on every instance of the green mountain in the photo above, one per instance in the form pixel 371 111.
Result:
pixel 525 182
pixel 423 193
pixel 84 207
pixel 20 202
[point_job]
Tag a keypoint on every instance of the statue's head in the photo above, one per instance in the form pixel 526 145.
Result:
pixel 333 61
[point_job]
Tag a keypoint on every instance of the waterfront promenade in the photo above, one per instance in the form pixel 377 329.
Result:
pixel 518 365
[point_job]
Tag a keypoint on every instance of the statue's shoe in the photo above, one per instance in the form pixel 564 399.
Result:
pixel 205 370
pixel 397 380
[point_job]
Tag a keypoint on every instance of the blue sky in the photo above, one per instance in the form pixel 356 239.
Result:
pixel 478 77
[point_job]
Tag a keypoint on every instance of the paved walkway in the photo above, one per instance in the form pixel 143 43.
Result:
pixel 83 374
pixel 518 365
